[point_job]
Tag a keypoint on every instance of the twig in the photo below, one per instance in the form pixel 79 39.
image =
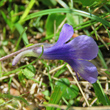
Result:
pixel 56 69
pixel 4 77
pixel 62 23
pixel 69 68
pixel 75 108
pixel 93 102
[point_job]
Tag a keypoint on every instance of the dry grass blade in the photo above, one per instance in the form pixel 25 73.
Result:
pixel 76 108
pixel 70 70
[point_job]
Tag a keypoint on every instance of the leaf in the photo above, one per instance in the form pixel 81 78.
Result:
pixel 74 19
pixel 20 30
pixel 11 97
pixel 67 10
pixel 102 59
pixel 21 99
pixel 46 92
pixel 59 72
pixel 53 18
pixel 49 2
pixel 102 97
pixel 87 3
pixel 21 78
pixel 8 21
pixel 2 101
pixel 55 97
pixel 27 10
pixel 12 17
pixel 71 91
pixel 2 52
pixel 27 73
pixel 31 68
pixel 2 2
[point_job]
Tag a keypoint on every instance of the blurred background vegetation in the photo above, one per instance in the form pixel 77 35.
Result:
pixel 41 84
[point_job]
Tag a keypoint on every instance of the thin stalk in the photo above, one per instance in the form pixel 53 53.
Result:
pixel 70 70
pixel 19 51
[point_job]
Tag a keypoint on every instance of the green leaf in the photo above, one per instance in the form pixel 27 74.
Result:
pixel 28 8
pixel 67 10
pixel 102 59
pixel 0 69
pixel 5 42
pixel 28 74
pixel 74 19
pixel 11 97
pixel 19 40
pixel 12 17
pixel 71 91
pixel 21 78
pixel 2 52
pixel 46 93
pixel 9 84
pixel 7 20
pixel 2 101
pixel 102 97
pixel 49 2
pixel 59 72
pixel 53 18
pixel 31 68
pixel 21 99
pixel 55 97
pixel 21 30
pixel 2 2
pixel 29 45
pixel 87 2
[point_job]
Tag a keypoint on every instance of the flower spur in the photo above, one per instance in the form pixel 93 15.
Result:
pixel 76 53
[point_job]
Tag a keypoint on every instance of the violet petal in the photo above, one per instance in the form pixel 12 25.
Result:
pixel 85 69
pixel 65 34
pixel 83 47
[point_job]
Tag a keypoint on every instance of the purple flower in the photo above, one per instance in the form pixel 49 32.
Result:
pixel 76 52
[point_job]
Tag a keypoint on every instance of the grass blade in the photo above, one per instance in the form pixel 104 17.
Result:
pixel 102 97
pixel 21 31
pixel 8 21
pixel 31 3
pixel 66 10
pixel 102 59
pixel 55 97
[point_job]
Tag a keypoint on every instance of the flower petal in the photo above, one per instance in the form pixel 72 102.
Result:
pixel 83 47
pixel 86 69
pixel 65 34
